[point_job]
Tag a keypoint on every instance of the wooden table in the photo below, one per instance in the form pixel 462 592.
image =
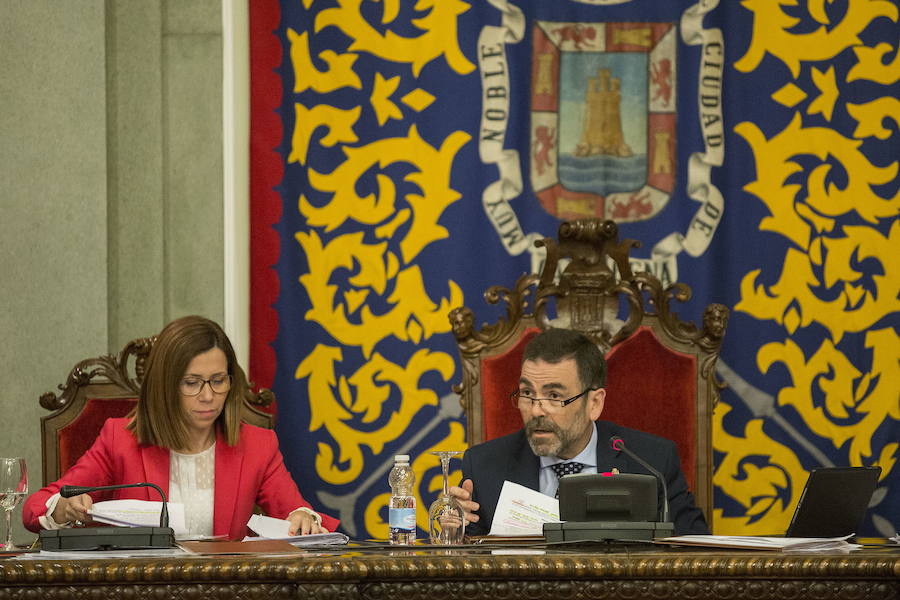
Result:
pixel 612 572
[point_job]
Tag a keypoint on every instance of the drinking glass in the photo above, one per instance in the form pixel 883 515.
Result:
pixel 13 488
pixel 447 519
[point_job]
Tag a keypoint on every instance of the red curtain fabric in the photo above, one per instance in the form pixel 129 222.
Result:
pixel 266 172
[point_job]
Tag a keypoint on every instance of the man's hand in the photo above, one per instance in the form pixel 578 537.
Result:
pixel 73 510
pixel 463 494
pixel 303 523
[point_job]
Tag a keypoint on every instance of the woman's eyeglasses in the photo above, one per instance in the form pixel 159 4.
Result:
pixel 191 386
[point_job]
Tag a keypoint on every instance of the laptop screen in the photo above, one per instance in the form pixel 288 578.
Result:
pixel 834 501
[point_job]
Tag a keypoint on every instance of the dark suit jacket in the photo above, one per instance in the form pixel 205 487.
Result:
pixel 510 457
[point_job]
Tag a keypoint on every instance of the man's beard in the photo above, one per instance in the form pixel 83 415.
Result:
pixel 551 447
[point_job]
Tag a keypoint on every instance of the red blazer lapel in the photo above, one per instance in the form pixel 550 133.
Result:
pixel 228 478
pixel 156 470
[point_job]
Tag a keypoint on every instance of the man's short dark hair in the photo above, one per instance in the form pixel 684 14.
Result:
pixel 557 345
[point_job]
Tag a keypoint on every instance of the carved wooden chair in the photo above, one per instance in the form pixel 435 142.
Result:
pixel 660 368
pixel 101 388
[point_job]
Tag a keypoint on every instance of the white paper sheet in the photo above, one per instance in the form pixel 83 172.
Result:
pixel 785 544
pixel 277 529
pixel 523 511
pixel 89 554
pixel 269 527
pixel 138 513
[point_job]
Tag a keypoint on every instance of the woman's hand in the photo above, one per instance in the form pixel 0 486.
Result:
pixel 303 523
pixel 73 510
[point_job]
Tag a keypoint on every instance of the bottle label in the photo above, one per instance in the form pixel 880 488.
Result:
pixel 402 520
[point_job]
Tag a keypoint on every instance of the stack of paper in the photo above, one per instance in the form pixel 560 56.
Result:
pixel 268 528
pixel 748 542
pixel 138 513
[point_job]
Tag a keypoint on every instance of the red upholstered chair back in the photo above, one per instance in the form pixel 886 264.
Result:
pixel 75 438
pixel 98 389
pixel 499 377
pixel 660 369
pixel 654 388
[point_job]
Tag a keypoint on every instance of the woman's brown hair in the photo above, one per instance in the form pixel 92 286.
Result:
pixel 159 419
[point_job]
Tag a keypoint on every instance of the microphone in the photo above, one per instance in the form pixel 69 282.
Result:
pixel 618 444
pixel 67 491
pixel 109 538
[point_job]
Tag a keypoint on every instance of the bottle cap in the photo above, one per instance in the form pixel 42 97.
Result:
pixel 401 458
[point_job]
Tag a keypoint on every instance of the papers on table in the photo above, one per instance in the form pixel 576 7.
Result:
pixel 784 544
pixel 141 513
pixel 523 511
pixel 269 528
pixel 83 554
pixel 138 513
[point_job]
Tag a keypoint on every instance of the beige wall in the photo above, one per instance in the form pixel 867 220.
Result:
pixel 110 187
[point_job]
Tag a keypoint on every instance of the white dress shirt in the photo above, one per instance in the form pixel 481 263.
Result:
pixel 548 480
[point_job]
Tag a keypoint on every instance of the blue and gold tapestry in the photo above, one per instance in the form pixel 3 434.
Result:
pixel 406 155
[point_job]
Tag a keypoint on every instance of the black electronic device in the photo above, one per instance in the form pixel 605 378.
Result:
pixel 612 506
pixel 834 501
pixel 608 497
pixel 109 538
pixel 596 507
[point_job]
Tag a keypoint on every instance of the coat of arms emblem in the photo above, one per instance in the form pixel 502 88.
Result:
pixel 603 135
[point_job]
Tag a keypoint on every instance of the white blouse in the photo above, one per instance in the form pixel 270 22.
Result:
pixel 192 482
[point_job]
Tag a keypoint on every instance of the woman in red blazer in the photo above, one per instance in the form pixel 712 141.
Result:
pixel 186 436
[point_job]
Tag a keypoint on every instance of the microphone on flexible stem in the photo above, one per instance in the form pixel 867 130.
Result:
pixel 618 444
pixel 67 491
pixel 109 538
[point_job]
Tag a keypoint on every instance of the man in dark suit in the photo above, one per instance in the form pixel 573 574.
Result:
pixel 560 396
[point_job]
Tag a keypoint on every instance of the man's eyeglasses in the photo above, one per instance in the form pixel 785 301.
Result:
pixel 191 386
pixel 525 399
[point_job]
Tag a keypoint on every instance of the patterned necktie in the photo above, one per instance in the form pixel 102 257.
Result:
pixel 566 468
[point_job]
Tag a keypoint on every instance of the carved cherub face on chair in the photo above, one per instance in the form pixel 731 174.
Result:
pixel 557 409
pixel 715 320
pixel 462 321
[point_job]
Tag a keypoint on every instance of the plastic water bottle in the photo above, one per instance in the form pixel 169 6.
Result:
pixel 402 509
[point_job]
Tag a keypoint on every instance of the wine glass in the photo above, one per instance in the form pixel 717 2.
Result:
pixel 447 519
pixel 13 488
